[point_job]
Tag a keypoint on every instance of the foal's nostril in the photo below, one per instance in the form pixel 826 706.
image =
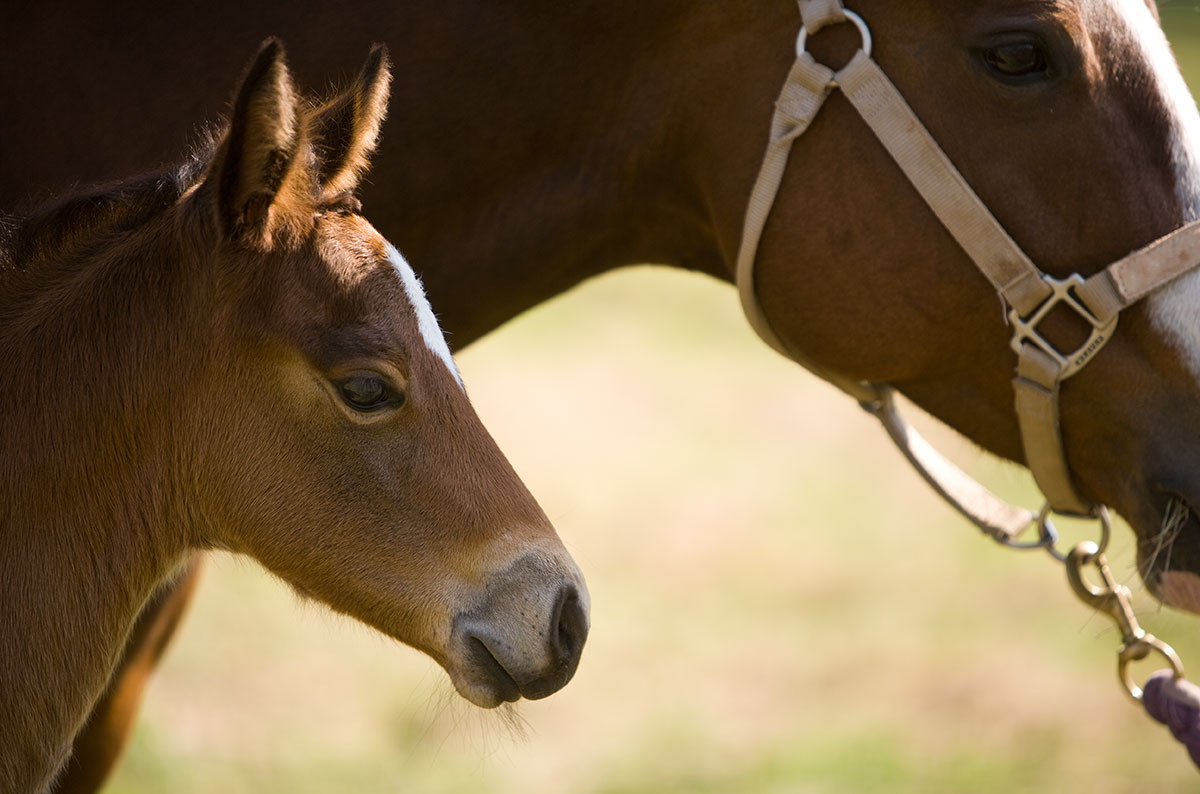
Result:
pixel 570 626
pixel 567 632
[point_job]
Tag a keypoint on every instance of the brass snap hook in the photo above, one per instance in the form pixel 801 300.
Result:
pixel 1140 649
pixel 1113 599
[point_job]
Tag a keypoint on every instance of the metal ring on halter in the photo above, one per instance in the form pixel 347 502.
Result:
pixel 1102 515
pixel 1047 535
pixel 1046 529
pixel 1139 649
pixel 802 39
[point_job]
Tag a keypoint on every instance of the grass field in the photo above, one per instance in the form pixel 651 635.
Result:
pixel 779 604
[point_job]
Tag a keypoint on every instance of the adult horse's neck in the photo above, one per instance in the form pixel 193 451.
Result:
pixel 548 149
pixel 532 144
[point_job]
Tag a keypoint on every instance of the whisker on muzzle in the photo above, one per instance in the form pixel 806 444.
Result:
pixel 1174 519
pixel 513 722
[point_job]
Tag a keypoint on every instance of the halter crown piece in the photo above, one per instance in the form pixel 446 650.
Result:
pixel 1029 295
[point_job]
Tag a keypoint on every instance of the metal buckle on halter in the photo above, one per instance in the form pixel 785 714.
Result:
pixel 1025 329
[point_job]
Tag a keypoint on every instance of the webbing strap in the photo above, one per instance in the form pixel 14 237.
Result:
pixel 1036 392
pixel 1131 278
pixel 997 518
pixel 930 171
pixel 803 94
pixel 994 252
pixel 816 14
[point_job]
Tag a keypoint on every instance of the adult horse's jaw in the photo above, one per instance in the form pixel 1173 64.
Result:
pixel 524 638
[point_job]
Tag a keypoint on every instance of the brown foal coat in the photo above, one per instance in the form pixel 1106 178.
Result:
pixel 229 356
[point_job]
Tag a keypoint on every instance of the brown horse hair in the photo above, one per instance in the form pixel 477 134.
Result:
pixel 49 232
pixel 340 134
pixel 554 142
pixel 109 483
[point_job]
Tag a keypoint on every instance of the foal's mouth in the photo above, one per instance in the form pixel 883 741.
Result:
pixel 501 683
pixel 1169 558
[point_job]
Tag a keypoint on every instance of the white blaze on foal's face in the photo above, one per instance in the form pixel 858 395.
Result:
pixel 431 332
pixel 1175 309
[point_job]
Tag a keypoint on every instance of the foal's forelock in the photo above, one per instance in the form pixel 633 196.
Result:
pixel 1174 310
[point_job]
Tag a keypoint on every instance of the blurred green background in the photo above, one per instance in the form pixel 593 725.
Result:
pixel 779 604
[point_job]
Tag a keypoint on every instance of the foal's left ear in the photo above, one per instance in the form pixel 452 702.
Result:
pixel 256 156
pixel 345 129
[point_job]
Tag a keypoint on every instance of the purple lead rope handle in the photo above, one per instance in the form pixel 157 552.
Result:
pixel 1175 702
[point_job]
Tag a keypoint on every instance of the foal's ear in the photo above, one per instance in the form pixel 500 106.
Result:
pixel 258 151
pixel 345 129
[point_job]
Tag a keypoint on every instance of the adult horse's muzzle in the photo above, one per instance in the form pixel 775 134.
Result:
pixel 525 638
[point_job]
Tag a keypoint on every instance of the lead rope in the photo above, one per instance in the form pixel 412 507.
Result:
pixel 1176 704
pixel 1167 696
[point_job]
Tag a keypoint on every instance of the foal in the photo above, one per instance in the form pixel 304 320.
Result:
pixel 229 356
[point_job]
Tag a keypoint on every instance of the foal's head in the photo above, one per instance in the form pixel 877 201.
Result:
pixel 329 435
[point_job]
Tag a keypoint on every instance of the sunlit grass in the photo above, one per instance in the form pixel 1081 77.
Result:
pixel 779 604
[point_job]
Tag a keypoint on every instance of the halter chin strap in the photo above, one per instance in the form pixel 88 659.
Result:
pixel 1029 293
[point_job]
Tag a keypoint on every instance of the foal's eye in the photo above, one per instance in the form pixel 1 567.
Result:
pixel 367 393
pixel 1018 62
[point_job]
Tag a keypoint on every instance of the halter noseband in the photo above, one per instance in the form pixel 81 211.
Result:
pixel 1029 293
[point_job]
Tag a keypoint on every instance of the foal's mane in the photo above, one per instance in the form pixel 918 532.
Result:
pixel 335 136
pixel 51 230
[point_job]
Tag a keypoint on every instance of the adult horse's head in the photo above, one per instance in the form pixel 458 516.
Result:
pixel 1072 123
pixel 340 448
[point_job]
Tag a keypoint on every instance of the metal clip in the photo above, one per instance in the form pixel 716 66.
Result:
pixel 1047 536
pixel 1113 598
pixel 1047 533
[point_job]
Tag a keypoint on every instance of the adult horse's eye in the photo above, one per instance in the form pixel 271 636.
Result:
pixel 367 393
pixel 1016 62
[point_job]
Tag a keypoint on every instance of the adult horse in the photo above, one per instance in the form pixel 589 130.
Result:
pixel 559 140
pixel 229 356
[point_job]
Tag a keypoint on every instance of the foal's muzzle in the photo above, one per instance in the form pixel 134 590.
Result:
pixel 526 638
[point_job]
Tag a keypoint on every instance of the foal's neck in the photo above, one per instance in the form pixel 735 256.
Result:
pixel 86 529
